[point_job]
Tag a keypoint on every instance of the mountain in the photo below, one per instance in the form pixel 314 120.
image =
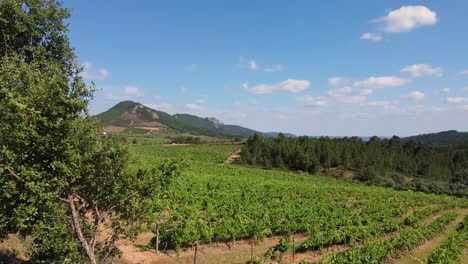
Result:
pixel 129 114
pixel 440 138
pixel 275 134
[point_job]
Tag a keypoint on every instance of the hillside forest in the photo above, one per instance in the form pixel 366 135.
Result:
pixel 389 162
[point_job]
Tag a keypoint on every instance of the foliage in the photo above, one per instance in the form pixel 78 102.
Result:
pixel 434 168
pixel 59 182
pixel 282 247
pixel 452 249
pixel 213 203
pixel 442 138
pixel 376 252
pixel 186 140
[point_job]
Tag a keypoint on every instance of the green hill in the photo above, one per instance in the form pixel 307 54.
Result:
pixel 129 114
pixel 440 138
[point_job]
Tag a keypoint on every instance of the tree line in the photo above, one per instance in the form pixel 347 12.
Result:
pixel 383 161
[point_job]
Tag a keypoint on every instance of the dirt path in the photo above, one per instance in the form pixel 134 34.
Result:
pixel 240 252
pixel 423 251
pixel 233 157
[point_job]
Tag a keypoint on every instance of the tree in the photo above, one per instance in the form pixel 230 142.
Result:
pixel 72 191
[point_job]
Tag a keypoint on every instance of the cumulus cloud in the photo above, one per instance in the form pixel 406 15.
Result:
pixel 290 86
pixel 252 65
pixel 342 91
pixel 463 72
pixel 415 96
pixel 407 18
pixel 337 81
pixel 183 90
pixel 160 106
pixel 356 92
pixel 90 75
pixel 352 99
pixel 445 90
pixel 457 100
pixel 128 92
pixel 274 68
pixel 372 37
pixel 191 67
pixel 422 70
pixel 193 106
pixel 314 100
pixel 383 104
pixel 380 82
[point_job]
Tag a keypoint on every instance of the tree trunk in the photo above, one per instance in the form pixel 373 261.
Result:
pixel 79 233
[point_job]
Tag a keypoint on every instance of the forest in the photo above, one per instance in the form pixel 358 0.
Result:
pixel 391 162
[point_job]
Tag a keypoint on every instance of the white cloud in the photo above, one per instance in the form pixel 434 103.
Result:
pixel 464 89
pixel 290 86
pixel 183 90
pixel 274 68
pixel 191 67
pixel 380 82
pixel 457 100
pixel 407 18
pixel 160 106
pixel 445 90
pixel 353 99
pixel 384 104
pixel 422 70
pixel 378 103
pixel 463 72
pixel 128 92
pixel 193 106
pixel 88 74
pixel 415 96
pixel 342 91
pixel 314 100
pixel 133 91
pixel 252 65
pixel 337 81
pixel 439 109
pixel 372 37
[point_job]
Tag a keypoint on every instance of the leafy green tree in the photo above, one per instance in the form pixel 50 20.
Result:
pixel 70 190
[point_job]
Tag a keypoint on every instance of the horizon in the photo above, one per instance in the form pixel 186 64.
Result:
pixel 393 68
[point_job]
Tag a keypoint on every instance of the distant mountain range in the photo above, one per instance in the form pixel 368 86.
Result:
pixel 275 134
pixel 440 138
pixel 129 114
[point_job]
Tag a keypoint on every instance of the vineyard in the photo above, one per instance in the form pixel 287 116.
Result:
pixel 334 221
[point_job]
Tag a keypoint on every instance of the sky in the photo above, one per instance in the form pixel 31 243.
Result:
pixel 336 68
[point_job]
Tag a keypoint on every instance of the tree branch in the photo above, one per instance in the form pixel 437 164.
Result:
pixel 115 205
pixel 78 231
pixel 111 248
pixel 12 173
pixel 97 222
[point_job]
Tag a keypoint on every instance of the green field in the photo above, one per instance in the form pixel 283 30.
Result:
pixel 216 202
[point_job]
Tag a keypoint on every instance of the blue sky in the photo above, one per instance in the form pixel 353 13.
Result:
pixel 306 67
